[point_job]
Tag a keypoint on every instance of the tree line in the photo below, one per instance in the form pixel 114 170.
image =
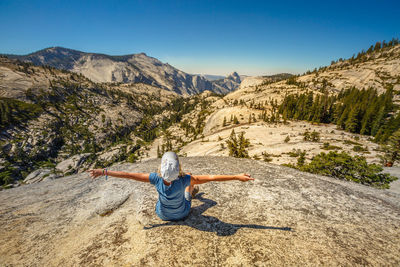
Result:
pixel 357 111
pixel 361 56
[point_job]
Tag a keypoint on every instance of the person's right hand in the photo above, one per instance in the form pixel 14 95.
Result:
pixel 244 177
pixel 94 173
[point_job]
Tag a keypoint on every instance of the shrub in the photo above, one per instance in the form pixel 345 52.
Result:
pixel 315 136
pixel 307 136
pixel 327 146
pixel 358 148
pixel 312 137
pixel 343 166
pixel 349 142
pixel 294 153
pixel 266 157
pixel 132 158
pixel 287 139
pixel 6 177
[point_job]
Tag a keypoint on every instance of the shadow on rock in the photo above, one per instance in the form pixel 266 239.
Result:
pixel 201 222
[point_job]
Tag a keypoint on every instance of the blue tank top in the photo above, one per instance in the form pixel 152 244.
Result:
pixel 172 204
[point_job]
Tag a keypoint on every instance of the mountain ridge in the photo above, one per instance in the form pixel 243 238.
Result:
pixel 126 69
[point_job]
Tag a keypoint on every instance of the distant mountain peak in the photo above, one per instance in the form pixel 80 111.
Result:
pixel 234 76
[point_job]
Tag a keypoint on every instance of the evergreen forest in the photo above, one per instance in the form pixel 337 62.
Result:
pixel 358 111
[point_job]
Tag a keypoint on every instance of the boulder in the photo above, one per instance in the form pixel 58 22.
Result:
pixel 111 198
pixel 72 164
pixel 52 176
pixel 37 175
pixel 111 153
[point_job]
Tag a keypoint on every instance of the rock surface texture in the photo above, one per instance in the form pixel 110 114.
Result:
pixel 284 217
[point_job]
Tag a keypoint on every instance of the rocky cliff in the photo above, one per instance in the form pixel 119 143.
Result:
pixel 284 217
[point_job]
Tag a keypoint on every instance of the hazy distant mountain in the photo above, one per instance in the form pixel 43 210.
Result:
pixel 211 77
pixel 125 69
pixel 229 83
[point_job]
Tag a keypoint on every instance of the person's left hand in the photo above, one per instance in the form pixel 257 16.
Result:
pixel 94 173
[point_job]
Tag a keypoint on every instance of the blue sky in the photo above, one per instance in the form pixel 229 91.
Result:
pixel 209 37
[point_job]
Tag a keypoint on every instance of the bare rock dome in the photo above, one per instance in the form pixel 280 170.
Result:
pixel 284 217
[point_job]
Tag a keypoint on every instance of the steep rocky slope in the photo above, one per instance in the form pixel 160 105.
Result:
pixel 284 217
pixel 127 69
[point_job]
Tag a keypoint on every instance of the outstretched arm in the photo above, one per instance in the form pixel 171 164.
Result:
pixel 201 179
pixel 142 177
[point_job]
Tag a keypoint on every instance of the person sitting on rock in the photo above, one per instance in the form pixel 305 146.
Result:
pixel 175 188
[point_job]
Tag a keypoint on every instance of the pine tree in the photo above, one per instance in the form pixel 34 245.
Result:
pixel 393 148
pixel 302 159
pixel 243 144
pixel 378 121
pixel 237 145
pixel 307 136
pixel 232 144
pixel 158 152
pixel 235 120
pixel 224 122
pixel 352 122
pixel 272 118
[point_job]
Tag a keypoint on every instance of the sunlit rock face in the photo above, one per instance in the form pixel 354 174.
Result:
pixel 284 217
